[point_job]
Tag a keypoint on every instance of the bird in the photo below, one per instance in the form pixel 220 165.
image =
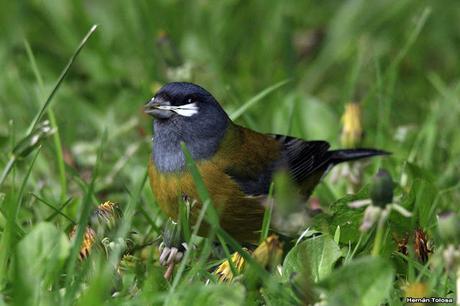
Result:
pixel 237 164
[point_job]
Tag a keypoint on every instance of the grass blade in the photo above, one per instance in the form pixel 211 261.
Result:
pixel 61 78
pixel 37 118
pixel 52 118
pixel 267 215
pixel 251 102
pixel 57 211
pixel 7 169
pixel 24 183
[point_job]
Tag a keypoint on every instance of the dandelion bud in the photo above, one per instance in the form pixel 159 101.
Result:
pixel 352 131
pixel 172 235
pixel 269 253
pixel 30 142
pixel 128 263
pixel 382 187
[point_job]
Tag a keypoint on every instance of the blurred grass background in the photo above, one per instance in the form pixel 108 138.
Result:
pixel 333 53
pixel 398 58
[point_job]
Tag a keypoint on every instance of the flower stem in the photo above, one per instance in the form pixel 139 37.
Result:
pixel 379 236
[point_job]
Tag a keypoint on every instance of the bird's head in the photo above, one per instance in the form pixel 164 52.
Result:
pixel 185 112
pixel 185 102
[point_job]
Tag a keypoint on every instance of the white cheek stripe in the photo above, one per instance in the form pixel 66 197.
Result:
pixel 186 110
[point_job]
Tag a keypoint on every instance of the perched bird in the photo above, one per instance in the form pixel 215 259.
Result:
pixel 237 164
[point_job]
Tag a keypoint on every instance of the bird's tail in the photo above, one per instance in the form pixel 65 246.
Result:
pixel 344 155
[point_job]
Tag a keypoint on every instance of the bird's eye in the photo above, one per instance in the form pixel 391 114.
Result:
pixel 189 100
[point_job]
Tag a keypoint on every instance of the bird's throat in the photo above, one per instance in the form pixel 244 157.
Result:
pixel 167 152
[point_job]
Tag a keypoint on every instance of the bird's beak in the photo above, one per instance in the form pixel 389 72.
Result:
pixel 158 109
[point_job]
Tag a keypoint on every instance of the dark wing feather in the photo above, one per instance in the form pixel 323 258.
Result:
pixel 252 184
pixel 301 157
pixel 306 161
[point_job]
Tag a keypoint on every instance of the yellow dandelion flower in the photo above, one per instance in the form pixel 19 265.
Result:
pixel 88 241
pixel 352 131
pixel 224 271
pixel 106 214
pixel 269 253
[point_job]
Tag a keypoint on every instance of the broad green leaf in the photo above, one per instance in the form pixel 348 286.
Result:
pixel 349 219
pixel 364 282
pixel 39 257
pixel 317 254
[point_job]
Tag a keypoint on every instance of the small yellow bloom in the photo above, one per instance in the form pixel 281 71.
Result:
pixel 106 215
pixel 88 241
pixel 352 131
pixel 224 271
pixel 108 207
pixel 269 253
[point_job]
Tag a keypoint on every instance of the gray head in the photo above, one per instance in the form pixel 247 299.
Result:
pixel 185 112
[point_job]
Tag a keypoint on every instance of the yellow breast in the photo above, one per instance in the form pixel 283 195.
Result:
pixel 169 188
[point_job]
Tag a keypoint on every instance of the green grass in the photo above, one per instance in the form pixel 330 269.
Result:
pixel 276 66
